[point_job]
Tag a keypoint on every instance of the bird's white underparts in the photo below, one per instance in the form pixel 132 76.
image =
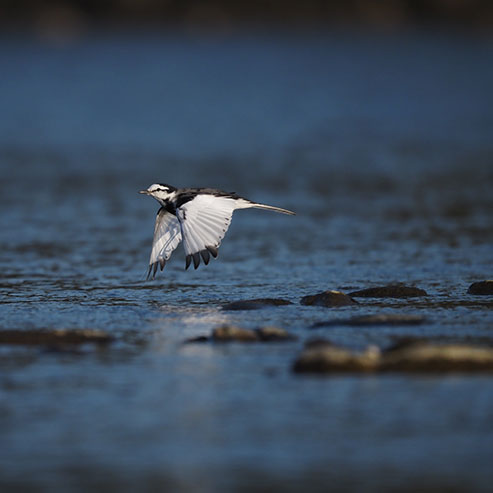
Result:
pixel 199 217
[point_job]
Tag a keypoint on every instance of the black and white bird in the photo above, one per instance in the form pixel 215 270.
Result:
pixel 198 216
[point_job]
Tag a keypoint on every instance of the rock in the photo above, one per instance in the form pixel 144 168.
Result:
pixel 406 356
pixel 390 291
pixel 333 359
pixel 328 298
pixel 481 287
pixel 423 357
pixel 255 304
pixel 268 334
pixel 373 320
pixel 54 337
pixel 228 333
pixel 196 339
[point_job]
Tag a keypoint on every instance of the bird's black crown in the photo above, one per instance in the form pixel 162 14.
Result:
pixel 168 187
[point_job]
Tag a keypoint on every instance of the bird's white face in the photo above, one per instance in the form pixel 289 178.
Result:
pixel 159 191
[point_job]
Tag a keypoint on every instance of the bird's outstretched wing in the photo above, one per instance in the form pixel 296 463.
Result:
pixel 167 236
pixel 204 221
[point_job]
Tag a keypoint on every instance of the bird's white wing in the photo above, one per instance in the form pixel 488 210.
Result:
pixel 204 221
pixel 167 236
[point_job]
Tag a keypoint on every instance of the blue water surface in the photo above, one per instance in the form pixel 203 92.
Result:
pixel 382 145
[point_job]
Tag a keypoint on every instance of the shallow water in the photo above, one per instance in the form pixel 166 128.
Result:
pixel 381 143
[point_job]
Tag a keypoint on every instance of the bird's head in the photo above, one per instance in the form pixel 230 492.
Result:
pixel 160 191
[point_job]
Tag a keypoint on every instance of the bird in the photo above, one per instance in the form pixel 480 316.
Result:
pixel 199 217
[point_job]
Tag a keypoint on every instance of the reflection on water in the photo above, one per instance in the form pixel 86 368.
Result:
pixel 382 144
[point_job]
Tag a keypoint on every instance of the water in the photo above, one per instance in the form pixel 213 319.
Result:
pixel 381 143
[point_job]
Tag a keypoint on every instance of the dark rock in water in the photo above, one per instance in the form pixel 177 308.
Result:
pixel 423 357
pixel 54 337
pixel 333 359
pixel 196 339
pixel 410 356
pixel 328 298
pixel 255 304
pixel 268 334
pixel 390 291
pixel 482 287
pixel 373 320
pixel 228 333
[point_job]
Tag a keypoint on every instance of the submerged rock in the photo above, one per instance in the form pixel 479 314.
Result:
pixel 413 356
pixel 255 304
pixel 267 334
pixel 328 298
pixel 229 333
pixel 424 357
pixel 332 359
pixel 54 337
pixel 372 320
pixel 390 291
pixel 193 340
pixel 481 287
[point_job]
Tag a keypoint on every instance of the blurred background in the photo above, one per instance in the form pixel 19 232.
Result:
pixel 372 120
pixel 213 14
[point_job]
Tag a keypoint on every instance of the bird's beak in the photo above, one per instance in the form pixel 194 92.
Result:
pixel 144 191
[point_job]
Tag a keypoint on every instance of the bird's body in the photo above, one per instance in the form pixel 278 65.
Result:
pixel 199 217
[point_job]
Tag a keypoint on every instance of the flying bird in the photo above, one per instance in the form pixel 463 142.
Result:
pixel 198 216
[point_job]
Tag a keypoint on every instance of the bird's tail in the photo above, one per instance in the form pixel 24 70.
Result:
pixel 271 208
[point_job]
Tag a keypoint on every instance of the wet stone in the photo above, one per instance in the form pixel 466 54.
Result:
pixel 481 287
pixel 199 339
pixel 328 298
pixel 333 359
pixel 422 357
pixel 54 337
pixel 267 334
pixel 228 333
pixel 255 304
pixel 390 291
pixel 373 320
pixel 407 356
